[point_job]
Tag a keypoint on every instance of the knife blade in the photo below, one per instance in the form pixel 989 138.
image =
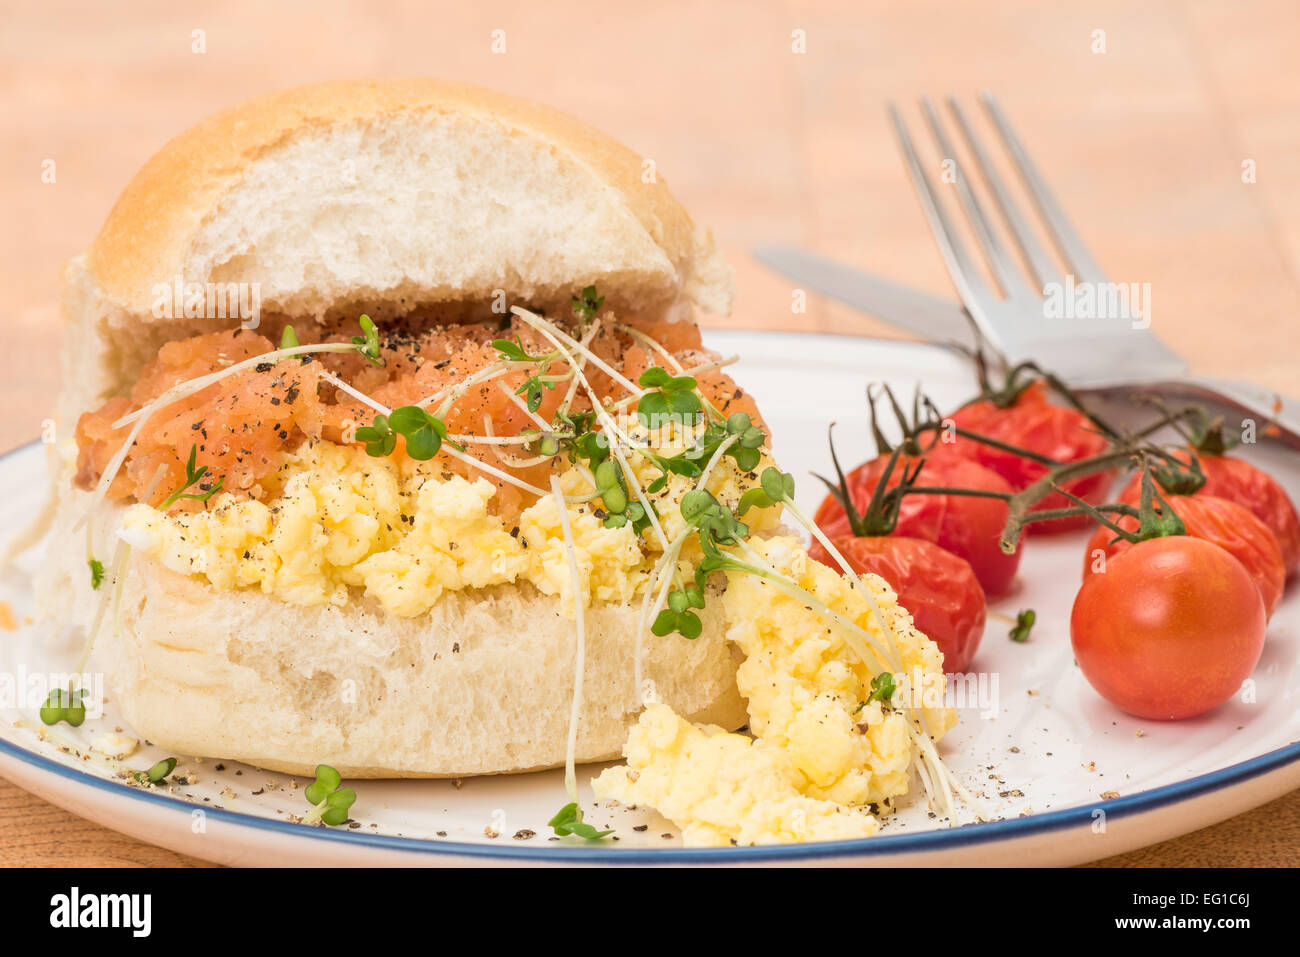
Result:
pixel 931 317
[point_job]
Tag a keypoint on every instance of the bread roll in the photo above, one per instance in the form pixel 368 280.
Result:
pixel 393 198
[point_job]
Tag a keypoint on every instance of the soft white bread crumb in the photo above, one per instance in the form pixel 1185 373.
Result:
pixel 480 684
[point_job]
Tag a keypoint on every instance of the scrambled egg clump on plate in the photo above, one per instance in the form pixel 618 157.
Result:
pixel 821 752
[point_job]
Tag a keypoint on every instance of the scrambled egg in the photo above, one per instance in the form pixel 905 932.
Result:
pixel 723 788
pixel 405 533
pixel 821 752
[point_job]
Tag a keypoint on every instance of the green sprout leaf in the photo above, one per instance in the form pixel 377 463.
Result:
pixel 379 439
pixel 64 705
pixel 883 688
pixel 192 476
pixel 423 431
pixel 774 486
pixel 586 305
pixel 368 342
pixel 669 395
pixel 157 773
pixel 512 350
pixel 678 617
pixel 96 572
pixel 1024 625
pixel 288 338
pixel 568 820
pixel 331 802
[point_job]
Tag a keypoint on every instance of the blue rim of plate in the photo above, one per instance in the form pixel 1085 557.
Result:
pixel 886 844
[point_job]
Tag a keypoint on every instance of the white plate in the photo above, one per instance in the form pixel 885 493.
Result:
pixel 1073 747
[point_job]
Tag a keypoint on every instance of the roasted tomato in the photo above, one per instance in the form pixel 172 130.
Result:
pixel 938 588
pixel 969 527
pixel 1033 422
pixel 1170 630
pixel 1215 520
pixel 1227 476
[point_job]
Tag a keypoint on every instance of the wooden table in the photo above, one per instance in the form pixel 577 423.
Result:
pixel 1145 142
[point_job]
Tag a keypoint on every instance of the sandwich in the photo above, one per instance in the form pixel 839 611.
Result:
pixel 388 441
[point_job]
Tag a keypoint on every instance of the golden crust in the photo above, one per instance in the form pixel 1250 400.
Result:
pixel 150 227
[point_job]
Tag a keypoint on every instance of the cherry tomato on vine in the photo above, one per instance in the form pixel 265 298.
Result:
pixel 1236 480
pixel 1170 630
pixel 938 588
pixel 1033 422
pixel 969 527
pixel 1216 520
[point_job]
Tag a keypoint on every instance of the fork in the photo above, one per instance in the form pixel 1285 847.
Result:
pixel 1114 356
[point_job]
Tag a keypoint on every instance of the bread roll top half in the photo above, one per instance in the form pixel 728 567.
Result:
pixel 390 197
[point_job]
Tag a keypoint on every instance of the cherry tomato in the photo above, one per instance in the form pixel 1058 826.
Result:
pixel 1033 422
pixel 1226 524
pixel 966 526
pixel 1227 476
pixel 938 588
pixel 1170 630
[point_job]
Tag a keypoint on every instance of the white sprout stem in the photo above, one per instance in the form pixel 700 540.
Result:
pixel 573 384
pixel 177 392
pixel 610 427
pixel 487 372
pixel 483 375
pixel 558 336
pixel 198 384
pixel 520 404
pixel 117 567
pixel 856 581
pixel 355 393
pixel 666 561
pixel 473 438
pixel 580 645
pixel 716 458
pixel 504 457
pixel 859 638
pixel 653 343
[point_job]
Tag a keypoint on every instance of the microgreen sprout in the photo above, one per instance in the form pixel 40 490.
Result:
pixel 423 431
pixel 157 773
pixel 192 475
pixel 96 572
pixel 668 395
pixel 1024 625
pixel 568 820
pixel 611 485
pixel 586 305
pixel 512 350
pixel 774 487
pixel 368 341
pixel 64 705
pixel 678 616
pixel 331 802
pixel 883 688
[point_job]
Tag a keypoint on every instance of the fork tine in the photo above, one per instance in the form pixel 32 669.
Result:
pixel 1039 262
pixel 1063 234
pixel 965 276
pixel 1004 269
